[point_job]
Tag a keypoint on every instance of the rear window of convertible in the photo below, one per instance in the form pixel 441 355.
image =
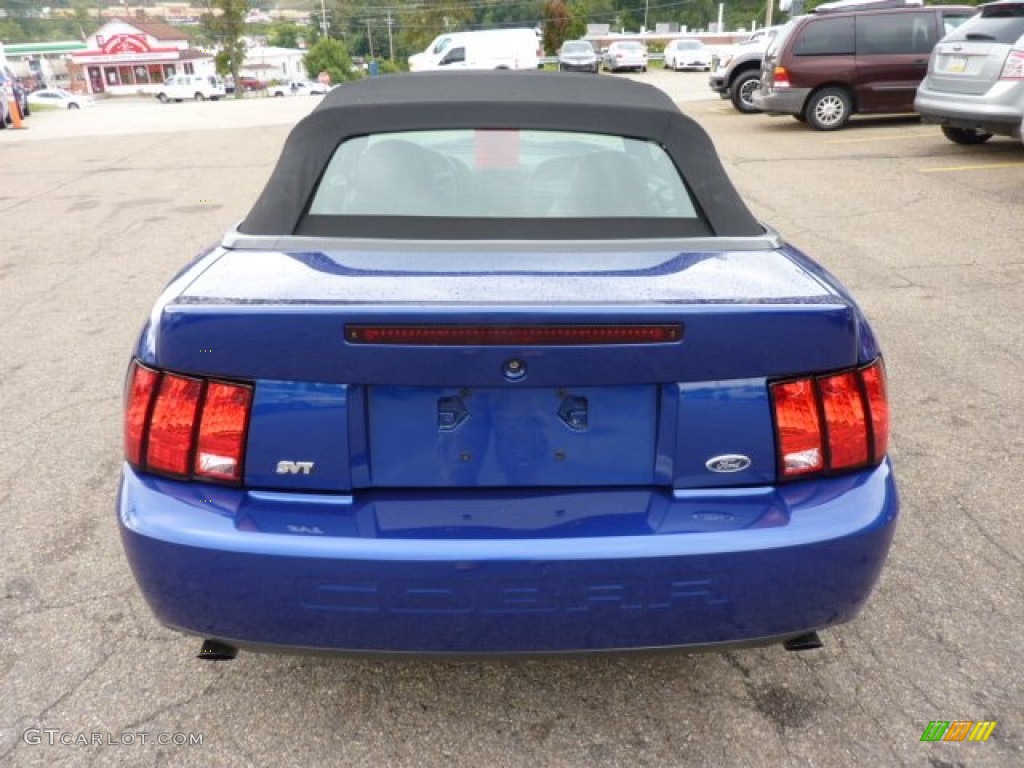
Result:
pixel 502 183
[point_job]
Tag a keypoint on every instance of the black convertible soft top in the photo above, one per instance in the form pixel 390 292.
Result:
pixel 495 100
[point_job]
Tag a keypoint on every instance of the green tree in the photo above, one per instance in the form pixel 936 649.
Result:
pixel 339 16
pixel 84 18
pixel 578 19
pixel 557 20
pixel 330 56
pixel 12 32
pixel 287 35
pixel 424 21
pixel 224 23
pixel 699 14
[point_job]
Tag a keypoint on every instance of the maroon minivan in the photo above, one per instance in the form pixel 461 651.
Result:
pixel 865 56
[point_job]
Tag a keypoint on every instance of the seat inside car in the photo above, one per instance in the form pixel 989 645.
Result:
pixel 393 178
pixel 606 183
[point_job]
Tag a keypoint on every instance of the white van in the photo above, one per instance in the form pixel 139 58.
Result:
pixel 481 49
pixel 198 87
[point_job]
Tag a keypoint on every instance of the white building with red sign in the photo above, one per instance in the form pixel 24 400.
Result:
pixel 126 58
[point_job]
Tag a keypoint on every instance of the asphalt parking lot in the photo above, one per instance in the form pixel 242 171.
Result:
pixel 98 214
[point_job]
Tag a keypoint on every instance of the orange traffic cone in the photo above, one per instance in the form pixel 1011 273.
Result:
pixel 15 112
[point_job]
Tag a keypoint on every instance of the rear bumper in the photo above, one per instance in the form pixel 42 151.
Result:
pixel 999 113
pixel 790 101
pixel 619 65
pixel 564 66
pixel 393 573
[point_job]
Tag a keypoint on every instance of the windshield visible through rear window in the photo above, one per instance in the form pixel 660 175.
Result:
pixel 577 48
pixel 515 174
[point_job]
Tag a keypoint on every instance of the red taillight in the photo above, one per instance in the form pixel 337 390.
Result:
pixel 222 425
pixel 798 427
pixel 185 426
pixel 172 425
pixel 878 406
pixel 831 423
pixel 1013 68
pixel 780 78
pixel 512 335
pixel 141 386
pixel 846 421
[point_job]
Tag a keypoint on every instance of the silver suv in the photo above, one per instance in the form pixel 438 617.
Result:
pixel 737 71
pixel 975 82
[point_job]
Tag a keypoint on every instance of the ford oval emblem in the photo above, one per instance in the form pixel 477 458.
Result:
pixel 729 462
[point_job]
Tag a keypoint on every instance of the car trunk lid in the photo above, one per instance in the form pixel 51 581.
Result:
pixel 967 67
pixel 590 405
pixel 283 315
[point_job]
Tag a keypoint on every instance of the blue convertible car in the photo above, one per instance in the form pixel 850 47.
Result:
pixel 501 363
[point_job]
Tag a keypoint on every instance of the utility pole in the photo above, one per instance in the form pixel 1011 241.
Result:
pixel 391 42
pixel 323 19
pixel 369 35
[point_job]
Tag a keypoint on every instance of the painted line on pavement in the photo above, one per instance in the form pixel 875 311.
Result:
pixel 987 166
pixel 874 139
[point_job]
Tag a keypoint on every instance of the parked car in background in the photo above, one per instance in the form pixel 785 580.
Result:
pixel 249 84
pixel 736 71
pixel 252 83
pixel 518 48
pixel 625 54
pixel 298 88
pixel 502 363
pixel 578 56
pixel 849 58
pixel 975 83
pixel 58 98
pixel 687 53
pixel 194 87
